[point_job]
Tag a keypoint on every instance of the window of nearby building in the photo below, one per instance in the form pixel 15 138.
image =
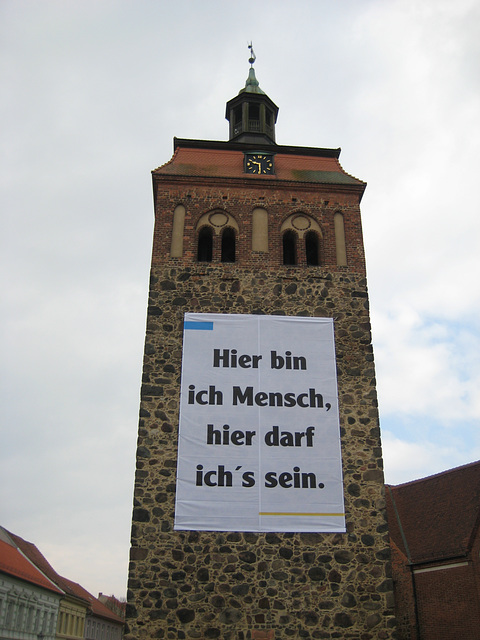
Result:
pixel 9 616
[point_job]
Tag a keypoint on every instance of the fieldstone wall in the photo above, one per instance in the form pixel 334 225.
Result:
pixel 242 586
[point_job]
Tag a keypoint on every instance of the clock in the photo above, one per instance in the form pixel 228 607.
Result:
pixel 260 163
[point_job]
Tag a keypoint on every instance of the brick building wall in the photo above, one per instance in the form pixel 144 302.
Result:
pixel 403 588
pixel 435 541
pixel 240 200
pixel 448 604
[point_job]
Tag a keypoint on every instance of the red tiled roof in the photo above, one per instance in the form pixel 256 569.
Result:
pixel 97 607
pixel 67 586
pixel 39 560
pixel 229 163
pixel 15 564
pixel 437 515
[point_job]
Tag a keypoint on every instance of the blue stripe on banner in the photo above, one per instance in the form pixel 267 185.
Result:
pixel 198 326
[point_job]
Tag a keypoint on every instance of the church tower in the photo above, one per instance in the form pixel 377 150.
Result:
pixel 263 515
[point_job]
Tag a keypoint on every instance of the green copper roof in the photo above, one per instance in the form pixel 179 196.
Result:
pixel 251 85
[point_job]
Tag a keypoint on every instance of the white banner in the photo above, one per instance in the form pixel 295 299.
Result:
pixel 259 437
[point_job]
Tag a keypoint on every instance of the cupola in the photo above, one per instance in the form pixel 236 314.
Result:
pixel 251 114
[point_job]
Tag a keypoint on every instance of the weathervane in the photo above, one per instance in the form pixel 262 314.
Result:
pixel 253 57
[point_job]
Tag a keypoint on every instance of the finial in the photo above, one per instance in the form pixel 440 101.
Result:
pixel 253 57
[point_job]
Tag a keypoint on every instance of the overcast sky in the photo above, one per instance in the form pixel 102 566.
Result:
pixel 92 93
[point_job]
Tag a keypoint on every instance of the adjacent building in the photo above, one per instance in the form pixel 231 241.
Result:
pixel 37 602
pixel 435 540
pixel 29 601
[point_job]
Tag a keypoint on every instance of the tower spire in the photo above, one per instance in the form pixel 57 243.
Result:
pixel 251 114
pixel 251 85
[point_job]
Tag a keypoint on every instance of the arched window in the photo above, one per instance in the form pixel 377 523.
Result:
pixel 237 116
pixel 205 244
pixel 289 247
pixel 217 236
pixel 253 117
pixel 301 233
pixel 228 245
pixel 311 249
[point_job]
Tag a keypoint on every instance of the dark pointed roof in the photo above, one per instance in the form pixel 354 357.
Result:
pixel 436 518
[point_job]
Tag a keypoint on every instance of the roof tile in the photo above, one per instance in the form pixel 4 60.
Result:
pixel 13 562
pixel 66 585
pixel 228 163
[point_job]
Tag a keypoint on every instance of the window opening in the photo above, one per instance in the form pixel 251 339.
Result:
pixel 311 249
pixel 237 115
pixel 289 248
pixel 228 245
pixel 253 112
pixel 253 117
pixel 205 245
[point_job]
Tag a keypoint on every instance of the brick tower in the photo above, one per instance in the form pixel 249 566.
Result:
pixel 249 229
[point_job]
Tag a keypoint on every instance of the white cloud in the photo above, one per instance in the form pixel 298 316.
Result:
pixel 426 367
pixel 405 460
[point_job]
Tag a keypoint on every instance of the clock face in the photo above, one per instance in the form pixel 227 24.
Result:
pixel 260 163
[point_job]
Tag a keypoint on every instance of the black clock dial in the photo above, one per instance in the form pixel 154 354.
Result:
pixel 259 163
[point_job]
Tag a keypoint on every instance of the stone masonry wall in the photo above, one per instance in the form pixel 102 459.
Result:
pixel 242 586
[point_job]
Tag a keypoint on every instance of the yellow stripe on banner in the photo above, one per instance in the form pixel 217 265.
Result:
pixel 284 513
